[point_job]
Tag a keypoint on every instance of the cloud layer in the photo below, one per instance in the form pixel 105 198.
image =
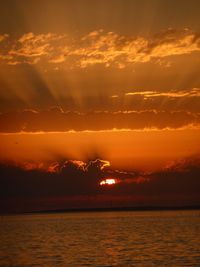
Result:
pixel 56 120
pixel 97 47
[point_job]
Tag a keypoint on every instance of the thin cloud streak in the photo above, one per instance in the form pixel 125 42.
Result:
pixel 194 92
pixel 152 129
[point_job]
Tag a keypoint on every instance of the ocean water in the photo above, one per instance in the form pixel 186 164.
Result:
pixel 158 238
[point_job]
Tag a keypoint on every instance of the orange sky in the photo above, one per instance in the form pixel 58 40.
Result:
pixel 68 66
pixel 147 149
pixel 111 80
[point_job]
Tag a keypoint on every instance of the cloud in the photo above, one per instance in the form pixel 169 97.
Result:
pixel 100 47
pixel 3 37
pixel 194 92
pixel 160 100
pixel 67 178
pixel 56 120
pixel 179 178
pixel 75 181
pixel 31 48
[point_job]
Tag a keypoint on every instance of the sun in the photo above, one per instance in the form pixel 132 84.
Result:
pixel 108 182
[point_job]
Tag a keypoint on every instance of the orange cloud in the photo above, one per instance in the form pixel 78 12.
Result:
pixel 41 121
pixel 3 37
pixel 194 92
pixel 31 48
pixel 99 47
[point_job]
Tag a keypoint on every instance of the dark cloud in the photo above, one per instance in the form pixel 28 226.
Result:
pixel 63 182
pixel 56 120
pixel 69 177
pixel 58 180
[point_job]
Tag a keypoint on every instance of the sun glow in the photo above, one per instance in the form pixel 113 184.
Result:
pixel 108 182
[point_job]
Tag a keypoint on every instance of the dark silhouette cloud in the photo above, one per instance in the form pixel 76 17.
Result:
pixel 73 179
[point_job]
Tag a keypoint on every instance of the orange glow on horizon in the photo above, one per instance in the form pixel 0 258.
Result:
pixel 108 182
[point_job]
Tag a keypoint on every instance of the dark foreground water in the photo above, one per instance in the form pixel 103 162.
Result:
pixel 101 239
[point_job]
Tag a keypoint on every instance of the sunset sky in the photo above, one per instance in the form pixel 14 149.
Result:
pixel 93 90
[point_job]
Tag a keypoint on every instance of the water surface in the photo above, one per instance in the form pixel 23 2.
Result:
pixel 158 238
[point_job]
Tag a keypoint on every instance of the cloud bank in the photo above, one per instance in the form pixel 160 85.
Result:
pixel 56 120
pixel 70 182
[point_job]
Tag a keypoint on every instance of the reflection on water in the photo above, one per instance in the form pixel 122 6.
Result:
pixel 101 239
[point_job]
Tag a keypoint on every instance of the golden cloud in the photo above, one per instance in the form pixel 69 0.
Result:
pixel 99 47
pixel 194 92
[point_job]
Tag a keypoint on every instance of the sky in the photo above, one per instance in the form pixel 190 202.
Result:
pixel 96 90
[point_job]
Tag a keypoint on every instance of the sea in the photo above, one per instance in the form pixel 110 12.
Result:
pixel 114 238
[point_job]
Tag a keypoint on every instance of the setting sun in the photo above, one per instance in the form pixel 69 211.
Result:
pixel 108 182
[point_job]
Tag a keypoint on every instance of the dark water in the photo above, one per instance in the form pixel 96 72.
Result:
pixel 101 239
